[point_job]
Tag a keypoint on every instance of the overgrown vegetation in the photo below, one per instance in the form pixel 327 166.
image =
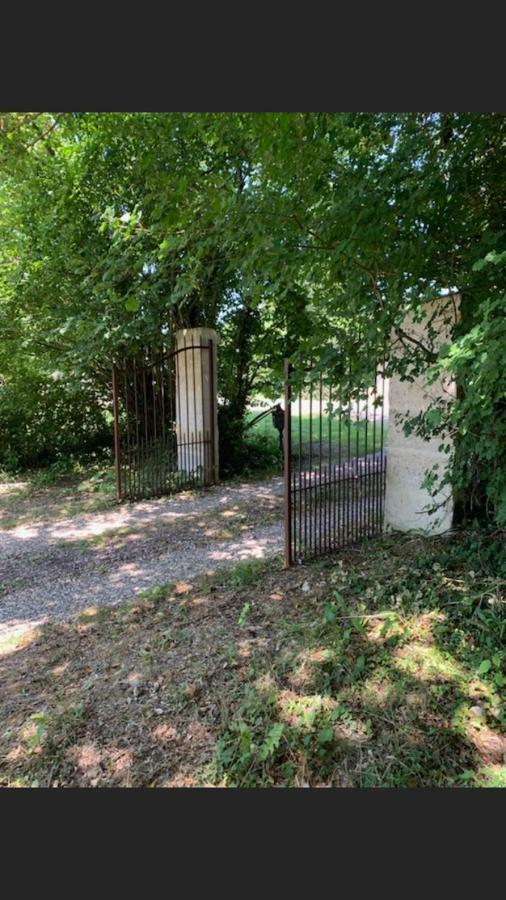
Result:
pixel 394 678
pixel 294 234
pixel 307 236
pixel 385 667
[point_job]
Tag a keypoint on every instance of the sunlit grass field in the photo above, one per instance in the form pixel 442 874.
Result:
pixel 306 429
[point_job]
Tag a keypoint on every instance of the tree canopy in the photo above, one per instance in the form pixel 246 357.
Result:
pixel 294 234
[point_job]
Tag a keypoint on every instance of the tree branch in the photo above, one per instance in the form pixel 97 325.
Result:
pixel 403 335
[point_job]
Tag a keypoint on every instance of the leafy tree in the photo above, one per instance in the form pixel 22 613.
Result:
pixel 382 213
pixel 293 233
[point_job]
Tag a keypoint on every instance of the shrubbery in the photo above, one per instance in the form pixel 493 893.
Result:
pixel 246 451
pixel 44 420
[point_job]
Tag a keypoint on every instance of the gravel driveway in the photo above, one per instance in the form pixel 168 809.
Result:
pixel 52 570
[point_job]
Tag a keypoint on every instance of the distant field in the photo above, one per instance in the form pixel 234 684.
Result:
pixel 303 430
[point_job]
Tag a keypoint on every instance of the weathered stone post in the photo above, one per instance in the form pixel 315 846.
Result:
pixel 410 456
pixel 196 404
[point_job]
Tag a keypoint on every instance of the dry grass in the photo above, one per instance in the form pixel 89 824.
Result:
pixel 132 695
pixel 25 502
pixel 366 670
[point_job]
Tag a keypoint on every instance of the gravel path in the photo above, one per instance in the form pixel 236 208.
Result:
pixel 52 570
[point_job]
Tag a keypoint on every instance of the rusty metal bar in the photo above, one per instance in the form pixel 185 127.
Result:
pixel 151 369
pixel 381 492
pixel 212 406
pixel 287 467
pixel 298 542
pixel 202 434
pixel 179 432
pixel 375 462
pixel 358 511
pixel 128 476
pixel 117 438
pixel 188 459
pixel 329 488
pixel 196 452
pixel 172 438
pixel 302 545
pixel 367 471
pixel 311 485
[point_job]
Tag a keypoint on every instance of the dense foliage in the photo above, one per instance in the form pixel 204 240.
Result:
pixel 291 233
pixel 394 677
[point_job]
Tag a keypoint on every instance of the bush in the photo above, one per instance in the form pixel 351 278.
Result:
pixel 246 451
pixel 262 452
pixel 231 442
pixel 44 420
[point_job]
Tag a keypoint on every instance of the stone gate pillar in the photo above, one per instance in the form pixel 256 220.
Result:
pixel 410 456
pixel 196 403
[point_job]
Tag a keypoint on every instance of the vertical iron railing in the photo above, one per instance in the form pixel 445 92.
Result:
pixel 287 447
pixel 164 421
pixel 212 462
pixel 117 437
pixel 334 464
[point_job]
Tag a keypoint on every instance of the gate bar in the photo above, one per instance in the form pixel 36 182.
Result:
pixel 287 467
pixel 117 442
pixel 212 405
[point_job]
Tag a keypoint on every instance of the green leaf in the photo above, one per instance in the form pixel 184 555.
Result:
pixel 244 614
pixel 329 613
pixel 493 257
pixel 132 304
pixel 484 667
pixel 272 740
pixel 433 418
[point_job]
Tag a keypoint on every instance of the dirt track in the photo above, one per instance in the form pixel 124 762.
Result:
pixel 52 569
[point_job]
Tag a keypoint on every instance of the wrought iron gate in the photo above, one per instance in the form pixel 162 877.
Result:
pixel 164 421
pixel 335 465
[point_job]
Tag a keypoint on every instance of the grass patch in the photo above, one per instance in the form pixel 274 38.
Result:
pixel 244 574
pixel 306 429
pixel 158 593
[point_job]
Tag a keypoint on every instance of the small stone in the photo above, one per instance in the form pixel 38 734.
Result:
pixel 159 711
pixel 306 587
pixel 477 711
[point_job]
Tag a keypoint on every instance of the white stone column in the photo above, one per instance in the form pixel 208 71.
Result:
pixel 196 406
pixel 409 456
